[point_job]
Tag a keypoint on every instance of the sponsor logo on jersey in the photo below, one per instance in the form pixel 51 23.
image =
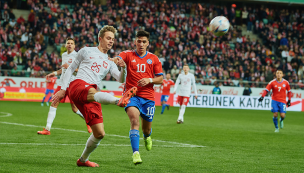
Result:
pixel 91 57
pixel 70 61
pixel 275 86
pixel 284 85
pixel 149 61
pixel 133 60
pixel 105 65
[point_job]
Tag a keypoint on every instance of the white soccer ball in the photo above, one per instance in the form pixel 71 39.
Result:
pixel 219 25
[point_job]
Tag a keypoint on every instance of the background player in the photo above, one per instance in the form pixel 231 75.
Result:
pixel 93 65
pixel 185 79
pixel 50 82
pixel 142 66
pixel 279 86
pixel 166 86
pixel 67 58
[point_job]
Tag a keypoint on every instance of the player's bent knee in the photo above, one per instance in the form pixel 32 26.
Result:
pixel 91 94
pixel 282 115
pixel 275 114
pixel 99 135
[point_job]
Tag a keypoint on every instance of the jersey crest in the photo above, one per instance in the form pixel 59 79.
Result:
pixel 149 61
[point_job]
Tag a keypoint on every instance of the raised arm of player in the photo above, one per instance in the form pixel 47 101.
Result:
pixel 118 75
pixel 176 84
pixel 194 86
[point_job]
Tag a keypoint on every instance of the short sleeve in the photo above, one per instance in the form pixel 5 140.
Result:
pixel 124 56
pixel 158 69
pixel 269 86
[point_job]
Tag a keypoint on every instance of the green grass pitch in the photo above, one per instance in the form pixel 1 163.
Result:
pixel 210 140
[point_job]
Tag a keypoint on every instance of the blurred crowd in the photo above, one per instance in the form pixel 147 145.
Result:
pixel 179 35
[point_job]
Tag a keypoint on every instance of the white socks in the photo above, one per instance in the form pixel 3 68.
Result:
pixel 181 113
pixel 105 98
pixel 50 118
pixel 80 114
pixel 91 145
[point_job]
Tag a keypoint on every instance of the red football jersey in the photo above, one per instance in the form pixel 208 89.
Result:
pixel 138 68
pixel 50 85
pixel 278 90
pixel 166 86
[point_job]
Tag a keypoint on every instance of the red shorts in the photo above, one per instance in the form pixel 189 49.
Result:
pixel 90 110
pixel 66 95
pixel 182 100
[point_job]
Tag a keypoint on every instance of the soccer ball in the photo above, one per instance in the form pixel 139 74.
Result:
pixel 219 25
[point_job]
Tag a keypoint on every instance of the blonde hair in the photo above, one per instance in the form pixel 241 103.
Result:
pixel 104 29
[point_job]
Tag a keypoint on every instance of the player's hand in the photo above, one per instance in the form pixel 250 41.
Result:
pixel 261 99
pixel 58 96
pixel 65 65
pixel 195 97
pixel 174 92
pixel 288 103
pixel 50 75
pixel 115 59
pixel 121 63
pixel 143 82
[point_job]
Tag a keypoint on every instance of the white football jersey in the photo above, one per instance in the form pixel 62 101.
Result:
pixel 93 66
pixel 67 58
pixel 186 81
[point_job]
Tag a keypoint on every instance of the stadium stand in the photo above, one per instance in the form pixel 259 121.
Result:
pixel 179 35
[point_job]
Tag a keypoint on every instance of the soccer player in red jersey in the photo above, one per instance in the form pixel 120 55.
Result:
pixel 50 82
pixel 166 86
pixel 279 86
pixel 143 70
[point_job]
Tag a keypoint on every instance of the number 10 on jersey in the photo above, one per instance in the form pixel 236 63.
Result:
pixel 141 68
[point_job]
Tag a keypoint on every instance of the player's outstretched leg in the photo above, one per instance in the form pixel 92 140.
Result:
pixel 126 97
pixel 106 98
pixel 50 119
pixel 91 145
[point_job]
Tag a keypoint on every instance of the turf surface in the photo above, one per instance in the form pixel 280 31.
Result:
pixel 233 140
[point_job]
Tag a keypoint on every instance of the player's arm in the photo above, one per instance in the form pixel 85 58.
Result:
pixel 146 81
pixel 194 86
pixel 55 73
pixel 176 84
pixel 289 94
pixel 67 76
pixel 118 75
pixel 268 88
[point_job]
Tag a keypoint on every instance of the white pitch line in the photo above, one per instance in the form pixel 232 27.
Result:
pixel 108 145
pixel 72 130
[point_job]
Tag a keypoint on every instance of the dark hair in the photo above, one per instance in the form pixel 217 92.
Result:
pixel 143 33
pixel 70 38
pixel 280 70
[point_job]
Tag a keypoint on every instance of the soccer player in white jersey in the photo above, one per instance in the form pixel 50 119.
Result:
pixel 93 66
pixel 186 79
pixel 67 59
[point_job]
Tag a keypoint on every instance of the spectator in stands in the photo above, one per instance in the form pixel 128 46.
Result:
pixel 247 90
pixel 216 89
